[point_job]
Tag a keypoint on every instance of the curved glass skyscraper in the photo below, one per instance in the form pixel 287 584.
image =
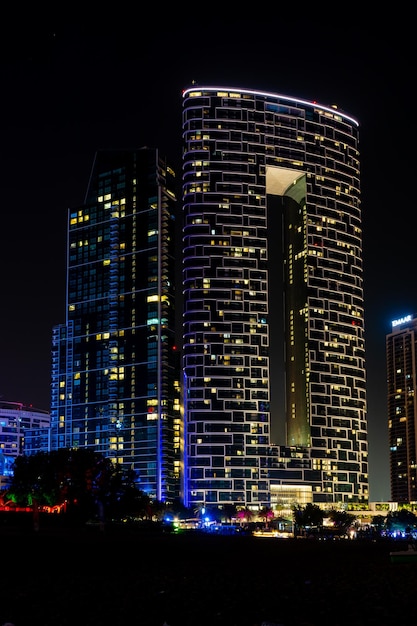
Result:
pixel 271 195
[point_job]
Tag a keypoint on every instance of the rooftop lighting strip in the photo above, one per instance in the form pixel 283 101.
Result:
pixel 273 95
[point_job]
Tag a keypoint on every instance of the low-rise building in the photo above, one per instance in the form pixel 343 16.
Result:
pixel 22 431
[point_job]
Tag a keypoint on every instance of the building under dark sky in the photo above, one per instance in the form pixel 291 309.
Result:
pixel 402 408
pixel 75 84
pixel 241 147
pixel 115 386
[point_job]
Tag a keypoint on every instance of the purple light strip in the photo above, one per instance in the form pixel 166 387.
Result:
pixel 273 95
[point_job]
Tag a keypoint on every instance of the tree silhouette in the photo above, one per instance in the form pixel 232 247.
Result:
pixel 342 520
pixel 84 480
pixel 228 511
pixel 244 514
pixel 266 514
pixel 401 521
pixel 310 515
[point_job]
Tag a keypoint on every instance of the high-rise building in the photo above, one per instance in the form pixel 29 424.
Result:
pixel 115 375
pixel 272 224
pixel 401 349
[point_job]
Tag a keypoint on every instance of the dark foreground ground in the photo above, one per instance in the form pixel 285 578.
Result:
pixel 90 578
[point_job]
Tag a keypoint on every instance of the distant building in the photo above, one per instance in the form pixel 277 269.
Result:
pixel 401 351
pixel 18 425
pixel 115 368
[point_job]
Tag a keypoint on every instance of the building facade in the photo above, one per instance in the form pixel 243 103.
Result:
pixel 401 351
pixel 115 370
pixel 23 430
pixel 271 209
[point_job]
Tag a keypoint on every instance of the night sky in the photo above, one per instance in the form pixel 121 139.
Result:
pixel 71 87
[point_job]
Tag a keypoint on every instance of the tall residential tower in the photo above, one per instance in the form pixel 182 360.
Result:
pixel 115 384
pixel 401 347
pixel 271 209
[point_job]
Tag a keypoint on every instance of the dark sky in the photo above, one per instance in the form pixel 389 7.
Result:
pixel 70 87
